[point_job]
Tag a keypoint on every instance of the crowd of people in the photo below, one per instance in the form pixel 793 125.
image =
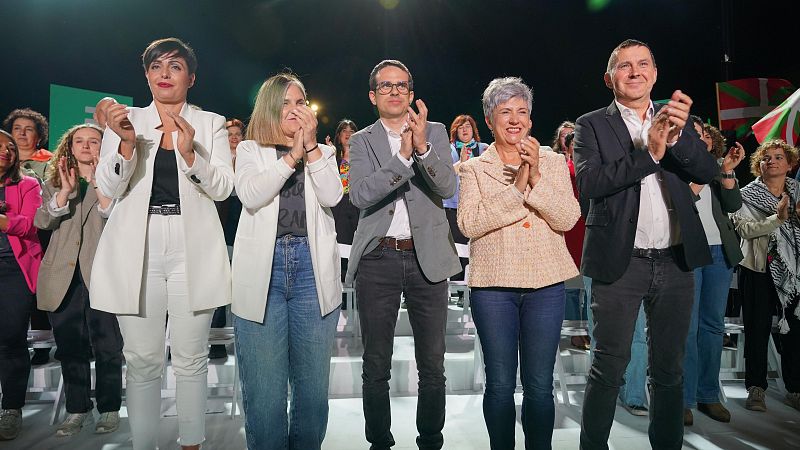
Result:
pixel 130 221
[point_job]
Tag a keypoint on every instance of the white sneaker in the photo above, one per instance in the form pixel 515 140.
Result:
pixel 73 423
pixel 107 423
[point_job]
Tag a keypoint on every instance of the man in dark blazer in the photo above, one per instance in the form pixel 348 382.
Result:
pixel 400 170
pixel 643 237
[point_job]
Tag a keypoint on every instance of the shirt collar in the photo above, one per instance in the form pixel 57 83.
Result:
pixel 625 111
pixel 389 131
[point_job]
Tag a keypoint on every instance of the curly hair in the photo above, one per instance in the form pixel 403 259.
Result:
pixel 556 141
pixel 65 149
pixel 755 159
pixel 36 117
pixel 717 140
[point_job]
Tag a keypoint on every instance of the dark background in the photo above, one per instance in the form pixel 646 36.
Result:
pixel 453 49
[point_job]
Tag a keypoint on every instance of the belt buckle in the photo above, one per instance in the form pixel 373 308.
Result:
pixel 397 245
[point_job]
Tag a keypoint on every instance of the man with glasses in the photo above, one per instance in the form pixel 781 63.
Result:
pixel 400 170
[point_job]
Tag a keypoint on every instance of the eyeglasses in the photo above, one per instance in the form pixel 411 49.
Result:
pixel 385 87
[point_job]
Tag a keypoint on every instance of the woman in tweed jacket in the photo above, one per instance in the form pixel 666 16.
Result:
pixel 515 204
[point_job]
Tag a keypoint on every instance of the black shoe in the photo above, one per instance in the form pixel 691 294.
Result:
pixel 40 356
pixel 217 352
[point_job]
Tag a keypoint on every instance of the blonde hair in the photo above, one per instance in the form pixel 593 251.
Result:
pixel 265 122
pixel 65 149
pixel 788 151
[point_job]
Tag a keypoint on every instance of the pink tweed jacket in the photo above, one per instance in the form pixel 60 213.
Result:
pixel 23 199
pixel 517 240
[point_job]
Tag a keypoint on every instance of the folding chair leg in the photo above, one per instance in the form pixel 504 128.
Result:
pixel 562 378
pixel 57 403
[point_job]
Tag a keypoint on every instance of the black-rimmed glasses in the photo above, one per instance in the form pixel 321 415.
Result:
pixel 385 87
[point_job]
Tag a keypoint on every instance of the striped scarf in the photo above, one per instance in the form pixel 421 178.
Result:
pixel 783 249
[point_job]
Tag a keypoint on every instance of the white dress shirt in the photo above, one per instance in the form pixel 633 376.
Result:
pixel 400 228
pixel 656 227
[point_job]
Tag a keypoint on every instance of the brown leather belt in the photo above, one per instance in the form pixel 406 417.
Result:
pixel 400 245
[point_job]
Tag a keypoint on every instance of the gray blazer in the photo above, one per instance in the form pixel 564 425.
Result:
pixel 377 178
pixel 74 241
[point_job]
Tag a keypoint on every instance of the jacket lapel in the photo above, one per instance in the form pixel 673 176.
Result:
pixel 493 166
pixel 378 142
pixel 89 202
pixel 614 118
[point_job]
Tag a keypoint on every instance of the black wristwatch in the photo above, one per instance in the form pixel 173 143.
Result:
pixel 728 176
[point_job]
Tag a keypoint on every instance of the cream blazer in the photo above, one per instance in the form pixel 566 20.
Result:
pixel 116 281
pixel 259 178
pixel 516 240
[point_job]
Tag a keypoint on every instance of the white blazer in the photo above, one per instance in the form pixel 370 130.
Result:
pixel 260 174
pixel 118 264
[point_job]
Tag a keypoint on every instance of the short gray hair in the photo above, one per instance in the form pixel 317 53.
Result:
pixel 501 90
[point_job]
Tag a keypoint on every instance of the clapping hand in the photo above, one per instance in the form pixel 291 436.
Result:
pixel 658 134
pixel 418 123
pixel 185 138
pixel 529 152
pixel 69 180
pixel 677 110
pixel 783 207
pixel 733 158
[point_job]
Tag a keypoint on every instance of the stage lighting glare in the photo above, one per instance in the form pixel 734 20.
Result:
pixel 314 107
pixel 597 5
pixel 389 4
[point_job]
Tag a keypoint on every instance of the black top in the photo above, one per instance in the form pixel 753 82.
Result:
pixel 165 179
pixel 5 246
pixel 292 203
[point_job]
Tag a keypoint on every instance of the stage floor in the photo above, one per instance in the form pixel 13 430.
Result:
pixel 778 428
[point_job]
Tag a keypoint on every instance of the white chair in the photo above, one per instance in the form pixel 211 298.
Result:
pixel 350 297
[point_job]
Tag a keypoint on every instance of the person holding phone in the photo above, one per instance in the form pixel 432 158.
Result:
pixel 163 250
pixel 75 210
pixel 517 192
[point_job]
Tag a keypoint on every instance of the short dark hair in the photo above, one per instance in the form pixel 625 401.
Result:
pixel 386 63
pixel 14 173
pixel 27 113
pixel 168 46
pixel 612 60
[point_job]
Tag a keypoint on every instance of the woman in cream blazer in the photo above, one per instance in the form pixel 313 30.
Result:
pixel 163 249
pixel 286 269
pixel 515 204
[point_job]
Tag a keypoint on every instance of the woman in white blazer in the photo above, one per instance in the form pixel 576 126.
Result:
pixel 286 270
pixel 162 250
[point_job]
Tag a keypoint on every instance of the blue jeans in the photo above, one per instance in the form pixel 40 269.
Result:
pixel 519 325
pixel 704 342
pixel 293 344
pixel 632 393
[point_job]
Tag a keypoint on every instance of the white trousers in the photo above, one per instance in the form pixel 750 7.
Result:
pixel 165 290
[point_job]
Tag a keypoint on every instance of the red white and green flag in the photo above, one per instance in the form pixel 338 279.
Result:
pixel 782 122
pixel 741 103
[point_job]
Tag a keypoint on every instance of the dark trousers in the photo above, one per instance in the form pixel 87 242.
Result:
pixel 220 317
pixel 759 304
pixel 81 331
pixel 668 294
pixel 383 274
pixel 17 303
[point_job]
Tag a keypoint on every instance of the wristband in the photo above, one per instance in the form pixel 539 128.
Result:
pixel 316 146
pixel 728 176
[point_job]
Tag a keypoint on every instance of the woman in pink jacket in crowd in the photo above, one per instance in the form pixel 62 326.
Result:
pixel 20 255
